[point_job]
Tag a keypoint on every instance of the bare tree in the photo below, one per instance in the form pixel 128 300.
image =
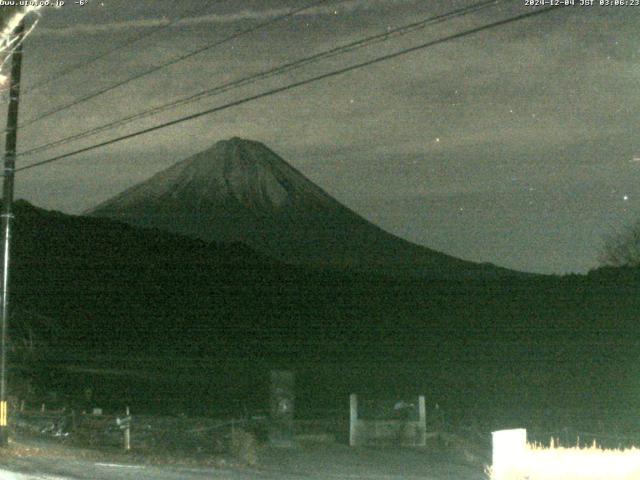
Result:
pixel 622 248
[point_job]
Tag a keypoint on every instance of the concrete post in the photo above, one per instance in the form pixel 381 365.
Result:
pixel 127 433
pixel 422 422
pixel 281 431
pixel 353 420
pixel 509 449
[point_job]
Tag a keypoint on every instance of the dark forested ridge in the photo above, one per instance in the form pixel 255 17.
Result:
pixel 108 282
pixel 106 287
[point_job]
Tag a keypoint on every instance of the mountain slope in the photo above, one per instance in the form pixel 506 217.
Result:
pixel 94 284
pixel 240 191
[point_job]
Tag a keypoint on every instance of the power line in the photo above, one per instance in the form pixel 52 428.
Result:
pixel 77 66
pixel 365 42
pixel 293 85
pixel 90 61
pixel 169 63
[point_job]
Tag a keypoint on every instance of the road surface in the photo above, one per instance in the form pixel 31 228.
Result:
pixel 319 462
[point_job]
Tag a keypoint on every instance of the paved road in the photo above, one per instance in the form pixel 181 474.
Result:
pixel 74 470
pixel 325 462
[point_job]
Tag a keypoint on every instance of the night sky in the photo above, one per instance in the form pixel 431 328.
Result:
pixel 517 145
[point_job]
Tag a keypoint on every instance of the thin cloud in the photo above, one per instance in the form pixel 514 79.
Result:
pixel 217 19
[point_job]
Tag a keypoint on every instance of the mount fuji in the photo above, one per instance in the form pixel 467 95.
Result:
pixel 241 191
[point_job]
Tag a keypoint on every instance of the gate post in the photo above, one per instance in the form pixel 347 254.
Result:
pixel 353 420
pixel 281 432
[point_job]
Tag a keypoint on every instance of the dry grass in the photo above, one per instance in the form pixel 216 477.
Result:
pixel 560 463
pixel 244 446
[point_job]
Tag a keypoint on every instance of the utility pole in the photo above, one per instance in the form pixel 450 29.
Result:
pixel 7 217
